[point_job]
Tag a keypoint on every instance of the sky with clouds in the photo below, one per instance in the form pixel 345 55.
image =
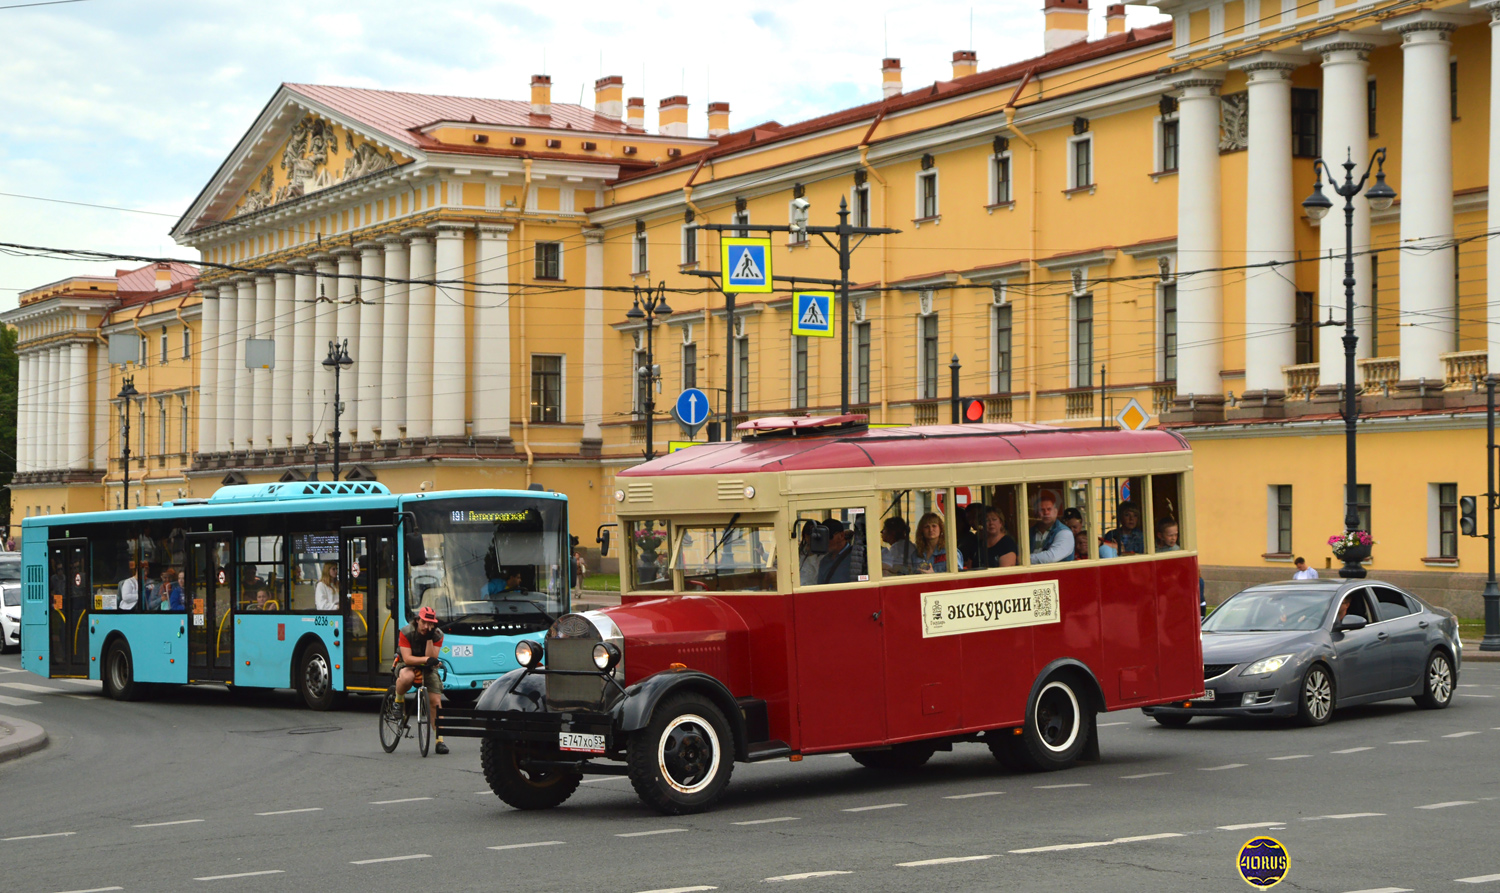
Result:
pixel 133 104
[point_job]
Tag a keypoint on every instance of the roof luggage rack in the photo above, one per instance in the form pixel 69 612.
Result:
pixel 801 426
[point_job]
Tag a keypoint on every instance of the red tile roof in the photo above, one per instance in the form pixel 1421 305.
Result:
pixel 139 286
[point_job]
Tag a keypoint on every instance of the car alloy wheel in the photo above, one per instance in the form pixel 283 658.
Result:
pixel 1317 696
pixel 1437 689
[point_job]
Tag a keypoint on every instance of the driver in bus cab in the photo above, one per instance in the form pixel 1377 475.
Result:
pixel 418 645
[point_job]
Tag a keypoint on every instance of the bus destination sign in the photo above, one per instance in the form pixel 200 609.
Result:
pixel 957 611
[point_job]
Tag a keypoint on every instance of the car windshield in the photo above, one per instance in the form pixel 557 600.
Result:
pixel 10 572
pixel 727 559
pixel 494 566
pixel 1270 610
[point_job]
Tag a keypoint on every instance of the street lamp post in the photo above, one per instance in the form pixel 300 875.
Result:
pixel 1380 196
pixel 127 393
pixel 648 305
pixel 338 359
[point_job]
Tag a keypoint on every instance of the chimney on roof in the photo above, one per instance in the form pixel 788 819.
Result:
pixel 965 63
pixel 890 77
pixel 609 95
pixel 672 116
pixel 1114 19
pixel 541 94
pixel 718 119
pixel 635 113
pixel 163 277
pixel 1067 23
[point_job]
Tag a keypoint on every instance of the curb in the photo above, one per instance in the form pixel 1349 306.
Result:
pixel 25 737
pixel 1472 654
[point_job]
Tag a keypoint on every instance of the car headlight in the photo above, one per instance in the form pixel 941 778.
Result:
pixel 1266 665
pixel 528 654
pixel 606 655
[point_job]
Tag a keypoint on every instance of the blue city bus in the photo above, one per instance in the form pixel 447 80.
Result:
pixel 299 585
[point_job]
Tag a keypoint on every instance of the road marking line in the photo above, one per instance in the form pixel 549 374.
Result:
pixel 292 811
pixel 877 806
pixel 482 793
pixel 948 861
pixel 402 800
pixel 649 833
pixel 225 877
pixel 164 824
pixel 1343 815
pixel 17 702
pixel 1295 756
pixel 522 846
pixel 1462 734
pixel 1144 775
pixel 1481 879
pixel 784 818
pixel 86 683
pixel 1384 890
pixel 1352 750
pixel 1221 768
pixel 1095 843
pixel 1472 695
pixel 803 876
pixel 606 778
pixel 1249 825
pixel 1053 787
pixel 38 836
pixel 392 858
pixel 39 689
pixel 1105 725
pixel 95 890
pixel 1411 741
pixel 1446 804
pixel 11 670
pixel 680 890
pixel 971 796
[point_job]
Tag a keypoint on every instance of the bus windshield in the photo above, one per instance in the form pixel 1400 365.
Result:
pixel 727 559
pixel 496 566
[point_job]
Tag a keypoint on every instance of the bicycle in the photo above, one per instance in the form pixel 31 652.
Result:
pixel 395 718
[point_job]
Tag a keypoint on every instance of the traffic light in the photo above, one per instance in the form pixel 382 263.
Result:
pixel 970 410
pixel 1467 522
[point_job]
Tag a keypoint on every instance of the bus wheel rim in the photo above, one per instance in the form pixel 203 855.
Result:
pixel 1057 717
pixel 317 676
pixel 117 668
pixel 688 753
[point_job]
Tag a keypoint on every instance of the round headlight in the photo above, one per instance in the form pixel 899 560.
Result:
pixel 619 496
pixel 749 492
pixel 528 653
pixel 606 656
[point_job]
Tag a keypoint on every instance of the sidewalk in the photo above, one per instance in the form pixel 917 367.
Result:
pixel 19 738
pixel 1472 653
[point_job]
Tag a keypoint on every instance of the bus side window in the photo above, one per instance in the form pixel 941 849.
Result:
pixel 846 559
pixel 987 536
pixel 115 571
pixel 262 581
pixel 315 562
pixel 1124 522
pixel 1166 512
pixel 913 532
pixel 647 544
pixel 1049 537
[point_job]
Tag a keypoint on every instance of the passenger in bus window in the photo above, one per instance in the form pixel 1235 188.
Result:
pixel 325 594
pixel 932 545
pixel 1051 539
pixel 1129 538
pixel 968 534
pixel 995 547
pixel 130 589
pixel 897 554
pixel 1166 536
pixel 836 566
pixel 153 592
pixel 172 591
pixel 807 560
pixel 1074 519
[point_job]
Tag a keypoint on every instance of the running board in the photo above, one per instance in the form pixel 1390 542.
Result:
pixel 767 750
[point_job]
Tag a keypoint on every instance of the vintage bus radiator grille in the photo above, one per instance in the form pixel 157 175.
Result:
pixel 638 493
pixel 731 489
pixel 1212 670
pixel 569 692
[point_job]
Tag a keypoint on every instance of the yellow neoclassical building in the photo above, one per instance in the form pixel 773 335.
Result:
pixel 1113 219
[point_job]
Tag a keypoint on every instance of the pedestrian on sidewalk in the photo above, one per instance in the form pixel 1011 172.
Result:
pixel 1303 571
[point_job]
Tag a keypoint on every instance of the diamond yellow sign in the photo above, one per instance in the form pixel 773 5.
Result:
pixel 1132 417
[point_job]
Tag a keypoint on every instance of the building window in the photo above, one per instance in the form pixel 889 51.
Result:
pixel 549 260
pixel 145 350
pixel 1169 332
pixel 862 362
pixel 642 378
pixel 1282 496
pixel 741 218
pixel 1002 346
pixel 546 388
pixel 928 327
pixel 1370 107
pixel 1000 192
pixel 161 424
pixel 1081 162
pixel 1083 341
pixel 927 195
pixel 638 264
pixel 1304 123
pixel 742 374
pixel 861 213
pixel 689 365
pixel 1306 327
pixel 183 424
pixel 187 343
pixel 1447 520
pixel 1453 89
pixel 140 456
pixel 1374 304
pixel 1362 506
pixel 166 349
pixel 799 367
pixel 690 244
pixel 1168 160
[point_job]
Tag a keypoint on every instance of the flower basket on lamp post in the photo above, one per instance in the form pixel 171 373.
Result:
pixel 1352 547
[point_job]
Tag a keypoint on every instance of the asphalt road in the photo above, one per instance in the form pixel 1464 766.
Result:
pixel 202 790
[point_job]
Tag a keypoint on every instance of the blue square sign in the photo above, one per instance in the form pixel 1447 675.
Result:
pixel 746 265
pixel 812 313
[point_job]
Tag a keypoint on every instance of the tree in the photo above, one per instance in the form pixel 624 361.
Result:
pixel 10 381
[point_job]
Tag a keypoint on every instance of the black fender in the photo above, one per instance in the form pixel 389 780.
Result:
pixel 633 712
pixel 529 695
pixel 1092 691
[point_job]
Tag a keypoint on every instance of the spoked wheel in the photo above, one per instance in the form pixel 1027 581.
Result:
pixel 424 722
pixel 1437 693
pixel 1315 702
pixel 523 788
pixel 391 715
pixel 315 678
pixel 681 762
pixel 1056 729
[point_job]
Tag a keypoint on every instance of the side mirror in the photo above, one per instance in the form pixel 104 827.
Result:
pixel 416 551
pixel 1351 622
pixel 602 538
pixel 817 541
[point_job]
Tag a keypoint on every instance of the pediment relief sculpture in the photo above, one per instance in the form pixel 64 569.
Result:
pixel 306 165
pixel 1234 122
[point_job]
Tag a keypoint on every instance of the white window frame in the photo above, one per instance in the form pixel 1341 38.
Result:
pixel 995 308
pixel 855 329
pixel 691 235
pixel 995 199
pixel 161 426
pixel 562 386
pixel 741 218
pixel 166 346
pixel 1073 297
pixel 682 364
pixel 797 239
pixel 1273 518
pixel 638 406
pixel 536 257
pixel 854 193
pixel 741 375
pixel 1435 521
pixel 806 383
pixel 1073 143
pixel 636 266
pixel 185 433
pixel 1158 146
pixel 937 383
pixel 187 343
pixel 937 196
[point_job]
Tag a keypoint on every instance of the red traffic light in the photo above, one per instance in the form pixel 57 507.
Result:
pixel 971 410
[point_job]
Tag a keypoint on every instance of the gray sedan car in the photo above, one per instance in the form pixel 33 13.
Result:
pixel 1302 648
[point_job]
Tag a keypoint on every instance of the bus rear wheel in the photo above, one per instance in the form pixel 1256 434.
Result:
pixel 907 757
pixel 315 678
pixel 522 788
pixel 119 672
pixel 1057 727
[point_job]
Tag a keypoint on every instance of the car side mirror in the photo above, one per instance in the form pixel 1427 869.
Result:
pixel 1351 622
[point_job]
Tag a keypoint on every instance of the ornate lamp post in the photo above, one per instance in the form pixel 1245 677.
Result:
pixel 338 359
pixel 648 305
pixel 1380 196
pixel 127 393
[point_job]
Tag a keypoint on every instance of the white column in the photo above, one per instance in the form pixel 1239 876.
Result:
pixel 1492 252
pixel 1345 137
pixel 347 328
pixel 1200 297
pixel 1426 193
pixel 244 402
pixel 593 336
pixel 24 378
pixel 419 337
pixel 102 382
pixel 1270 295
pixel 260 379
pixel 29 374
pixel 281 377
pixel 208 371
pixel 301 346
pixel 371 338
pixel 51 446
pixel 393 336
pixel 450 365
pixel 78 405
pixel 492 333
pixel 325 316
pixel 229 395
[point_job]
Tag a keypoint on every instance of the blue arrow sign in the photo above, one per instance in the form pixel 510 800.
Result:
pixel 692 408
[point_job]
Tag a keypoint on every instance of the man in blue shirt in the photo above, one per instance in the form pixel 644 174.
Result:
pixel 835 567
pixel 1051 539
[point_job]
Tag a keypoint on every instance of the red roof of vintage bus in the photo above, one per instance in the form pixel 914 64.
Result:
pixel 890 447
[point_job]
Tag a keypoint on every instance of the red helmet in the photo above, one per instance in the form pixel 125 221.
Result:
pixel 427 614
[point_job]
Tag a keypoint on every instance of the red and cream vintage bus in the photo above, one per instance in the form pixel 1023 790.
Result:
pixel 817 587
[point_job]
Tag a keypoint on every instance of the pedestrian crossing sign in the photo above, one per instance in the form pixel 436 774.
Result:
pixel 813 313
pixel 746 265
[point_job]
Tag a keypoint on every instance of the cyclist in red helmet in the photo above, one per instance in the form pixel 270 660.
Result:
pixel 418 645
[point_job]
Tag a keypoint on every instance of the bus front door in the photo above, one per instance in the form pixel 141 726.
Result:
pixel 209 591
pixel 369 569
pixel 69 589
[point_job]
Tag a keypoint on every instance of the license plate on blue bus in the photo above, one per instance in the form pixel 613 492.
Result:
pixel 580 743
